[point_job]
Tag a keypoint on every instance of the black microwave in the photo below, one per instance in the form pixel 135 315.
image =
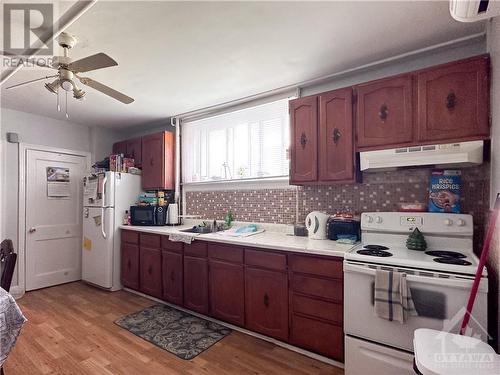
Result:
pixel 148 215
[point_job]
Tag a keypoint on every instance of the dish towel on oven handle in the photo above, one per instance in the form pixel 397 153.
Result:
pixel 392 296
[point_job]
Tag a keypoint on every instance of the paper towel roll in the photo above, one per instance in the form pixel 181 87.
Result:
pixel 173 213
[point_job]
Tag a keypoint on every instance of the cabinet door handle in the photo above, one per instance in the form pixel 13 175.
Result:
pixel 383 112
pixel 336 136
pixel 451 100
pixel 303 140
pixel 266 300
pixel 151 162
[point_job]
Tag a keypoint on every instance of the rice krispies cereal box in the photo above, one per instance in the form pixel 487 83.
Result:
pixel 444 191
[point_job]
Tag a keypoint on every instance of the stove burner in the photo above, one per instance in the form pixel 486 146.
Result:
pixel 446 254
pixel 456 261
pixel 375 247
pixel 375 252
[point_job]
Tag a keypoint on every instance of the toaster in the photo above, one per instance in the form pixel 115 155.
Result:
pixel 344 228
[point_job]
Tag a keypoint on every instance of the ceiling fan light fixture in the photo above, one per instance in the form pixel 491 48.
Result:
pixel 79 94
pixel 67 85
pixel 53 86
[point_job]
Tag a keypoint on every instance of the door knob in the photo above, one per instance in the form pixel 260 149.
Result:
pixel 32 230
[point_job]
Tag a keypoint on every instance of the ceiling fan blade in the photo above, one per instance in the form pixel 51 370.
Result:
pixel 31 81
pixel 97 61
pixel 106 90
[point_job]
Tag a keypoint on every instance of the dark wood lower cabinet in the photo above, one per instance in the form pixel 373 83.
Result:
pixel 196 284
pixel 290 297
pixel 318 336
pixel 266 302
pixel 172 277
pixel 150 275
pixel 130 265
pixel 227 284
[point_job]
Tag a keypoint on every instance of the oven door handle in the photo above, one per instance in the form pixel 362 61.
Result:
pixel 451 282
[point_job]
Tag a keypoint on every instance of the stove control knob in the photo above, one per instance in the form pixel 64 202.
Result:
pixel 461 222
pixel 369 219
pixel 378 219
pixel 448 222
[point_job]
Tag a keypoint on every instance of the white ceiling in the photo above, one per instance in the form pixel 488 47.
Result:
pixel 180 56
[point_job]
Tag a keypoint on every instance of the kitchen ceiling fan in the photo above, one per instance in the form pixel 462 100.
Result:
pixel 68 70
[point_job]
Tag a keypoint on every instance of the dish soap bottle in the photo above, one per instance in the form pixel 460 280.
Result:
pixel 229 219
pixel 126 218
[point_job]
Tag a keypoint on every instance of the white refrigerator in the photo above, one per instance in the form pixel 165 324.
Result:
pixel 105 200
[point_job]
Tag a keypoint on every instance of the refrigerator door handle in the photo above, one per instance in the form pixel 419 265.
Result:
pixel 104 181
pixel 102 223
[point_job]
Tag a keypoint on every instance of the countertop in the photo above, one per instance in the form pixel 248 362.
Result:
pixel 273 240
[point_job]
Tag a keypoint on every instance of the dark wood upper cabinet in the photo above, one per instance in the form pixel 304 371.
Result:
pixel 385 112
pixel 196 284
pixel 266 302
pixel 172 277
pixel 150 280
pixel 453 101
pixel 134 150
pixel 304 140
pixel 227 284
pixel 130 264
pixel 120 148
pixel 158 155
pixel 336 143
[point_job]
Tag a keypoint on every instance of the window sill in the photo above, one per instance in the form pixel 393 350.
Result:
pixel 241 184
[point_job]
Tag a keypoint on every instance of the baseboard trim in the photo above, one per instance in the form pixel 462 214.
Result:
pixel 282 344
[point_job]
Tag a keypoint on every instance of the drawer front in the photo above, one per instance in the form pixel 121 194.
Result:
pixel 317 336
pixel 316 308
pixel 130 237
pixel 265 259
pixel 174 247
pixel 227 253
pixel 324 288
pixel 150 240
pixel 196 249
pixel 316 266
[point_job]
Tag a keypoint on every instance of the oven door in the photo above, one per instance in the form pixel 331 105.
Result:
pixel 439 301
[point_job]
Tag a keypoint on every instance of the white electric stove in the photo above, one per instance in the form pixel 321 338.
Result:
pixel 440 279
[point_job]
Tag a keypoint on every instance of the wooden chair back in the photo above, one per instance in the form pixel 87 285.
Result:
pixel 7 263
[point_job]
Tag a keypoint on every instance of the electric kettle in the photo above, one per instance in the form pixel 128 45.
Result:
pixel 316 224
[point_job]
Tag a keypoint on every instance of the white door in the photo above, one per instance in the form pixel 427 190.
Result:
pixel 97 251
pixel 53 218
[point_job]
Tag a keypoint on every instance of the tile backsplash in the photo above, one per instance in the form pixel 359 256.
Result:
pixel 379 191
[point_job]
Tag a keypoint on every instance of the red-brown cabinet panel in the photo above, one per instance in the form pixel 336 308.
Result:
pixel 304 140
pixel 150 281
pixel 227 285
pixel 134 150
pixel 130 265
pixel 172 276
pixel 318 336
pixel 336 144
pixel 453 101
pixel 385 112
pixel 120 148
pixel 196 284
pixel 266 302
pixel 158 155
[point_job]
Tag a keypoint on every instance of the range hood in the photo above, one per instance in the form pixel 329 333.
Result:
pixel 446 155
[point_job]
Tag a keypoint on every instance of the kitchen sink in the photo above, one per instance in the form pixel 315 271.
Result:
pixel 200 229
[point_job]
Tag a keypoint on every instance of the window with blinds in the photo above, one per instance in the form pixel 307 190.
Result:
pixel 246 144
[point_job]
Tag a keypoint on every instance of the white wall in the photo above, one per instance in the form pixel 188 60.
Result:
pixel 101 141
pixel 37 130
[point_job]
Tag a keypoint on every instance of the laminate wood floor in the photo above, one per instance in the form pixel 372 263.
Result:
pixel 70 330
